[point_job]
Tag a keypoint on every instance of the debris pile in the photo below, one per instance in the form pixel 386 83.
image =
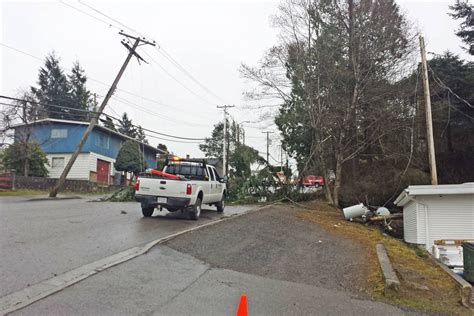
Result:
pixel 380 215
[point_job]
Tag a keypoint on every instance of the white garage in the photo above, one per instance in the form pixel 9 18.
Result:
pixel 433 213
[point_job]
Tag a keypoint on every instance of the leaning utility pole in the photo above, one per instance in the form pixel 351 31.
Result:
pixel 224 147
pixel 95 116
pixel 429 121
pixel 268 145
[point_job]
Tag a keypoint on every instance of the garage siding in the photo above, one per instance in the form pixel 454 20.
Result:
pixel 79 171
pixel 410 222
pixel 449 217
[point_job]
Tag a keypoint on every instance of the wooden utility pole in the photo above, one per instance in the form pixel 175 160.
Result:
pixel 429 121
pixel 95 116
pixel 268 145
pixel 224 146
pixel 281 157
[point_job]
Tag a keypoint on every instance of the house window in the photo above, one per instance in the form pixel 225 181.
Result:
pixel 102 140
pixel 57 162
pixel 59 133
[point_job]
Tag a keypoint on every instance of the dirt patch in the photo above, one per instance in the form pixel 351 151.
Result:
pixel 424 285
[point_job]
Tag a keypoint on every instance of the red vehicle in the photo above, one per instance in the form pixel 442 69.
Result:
pixel 313 181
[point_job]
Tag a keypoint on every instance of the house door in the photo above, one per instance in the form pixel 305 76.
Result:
pixel 103 168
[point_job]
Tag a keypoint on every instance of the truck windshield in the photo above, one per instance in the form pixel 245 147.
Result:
pixel 192 171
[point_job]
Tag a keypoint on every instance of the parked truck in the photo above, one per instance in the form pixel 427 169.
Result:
pixel 183 185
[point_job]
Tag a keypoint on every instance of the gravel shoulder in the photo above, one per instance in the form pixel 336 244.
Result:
pixel 278 244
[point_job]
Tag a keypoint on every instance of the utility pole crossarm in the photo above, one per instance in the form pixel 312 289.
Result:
pixel 95 117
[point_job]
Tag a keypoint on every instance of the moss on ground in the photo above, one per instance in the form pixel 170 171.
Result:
pixel 424 285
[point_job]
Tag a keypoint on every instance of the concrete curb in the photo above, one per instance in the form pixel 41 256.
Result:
pixel 392 283
pixel 465 288
pixel 36 292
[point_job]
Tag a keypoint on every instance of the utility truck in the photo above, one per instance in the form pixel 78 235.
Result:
pixel 183 185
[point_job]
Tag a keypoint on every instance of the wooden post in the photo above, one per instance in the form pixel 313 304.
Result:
pixel 429 121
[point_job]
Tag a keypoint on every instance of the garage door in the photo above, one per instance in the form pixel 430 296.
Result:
pixel 103 171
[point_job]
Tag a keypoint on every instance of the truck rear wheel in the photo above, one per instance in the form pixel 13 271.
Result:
pixel 195 210
pixel 147 211
pixel 221 205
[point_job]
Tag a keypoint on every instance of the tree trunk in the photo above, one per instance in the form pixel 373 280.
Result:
pixel 338 181
pixel 26 161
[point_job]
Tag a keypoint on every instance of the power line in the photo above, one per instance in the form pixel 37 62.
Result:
pixel 155 132
pixel 175 79
pixel 90 15
pixel 22 52
pixel 444 86
pixel 41 103
pixel 159 48
pixel 148 111
pixel 112 117
pixel 100 82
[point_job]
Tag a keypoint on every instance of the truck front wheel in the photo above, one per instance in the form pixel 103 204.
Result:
pixel 195 210
pixel 147 211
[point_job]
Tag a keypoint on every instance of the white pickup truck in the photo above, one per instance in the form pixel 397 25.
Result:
pixel 183 185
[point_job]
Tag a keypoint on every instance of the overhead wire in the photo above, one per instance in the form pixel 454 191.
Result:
pixel 159 49
pixel 175 79
pixel 90 15
pixel 148 111
pixel 112 117
pixel 101 82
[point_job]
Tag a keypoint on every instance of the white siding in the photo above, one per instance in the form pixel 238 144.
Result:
pixel 410 230
pixel 449 217
pixel 445 217
pixel 80 169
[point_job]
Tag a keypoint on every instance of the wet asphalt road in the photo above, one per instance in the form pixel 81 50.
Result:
pixel 271 255
pixel 43 238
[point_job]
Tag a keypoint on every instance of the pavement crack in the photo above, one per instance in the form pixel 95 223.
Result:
pixel 185 288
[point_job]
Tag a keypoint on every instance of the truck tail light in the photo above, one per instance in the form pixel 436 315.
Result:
pixel 189 189
pixel 136 186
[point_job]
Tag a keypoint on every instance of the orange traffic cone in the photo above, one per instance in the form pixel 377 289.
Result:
pixel 242 309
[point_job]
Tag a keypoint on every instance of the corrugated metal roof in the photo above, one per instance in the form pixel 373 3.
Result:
pixel 441 189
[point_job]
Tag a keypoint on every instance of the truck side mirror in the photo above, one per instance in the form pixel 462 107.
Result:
pixel 225 179
pixel 206 178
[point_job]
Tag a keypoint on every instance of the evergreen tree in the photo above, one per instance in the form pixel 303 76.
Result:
pixel 141 137
pixel 80 97
pixel 109 123
pixel 53 88
pixel 130 158
pixel 126 126
pixel 26 158
pixel 163 147
pixel 465 11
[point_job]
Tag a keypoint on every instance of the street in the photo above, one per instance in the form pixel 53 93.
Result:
pixel 44 238
pixel 270 254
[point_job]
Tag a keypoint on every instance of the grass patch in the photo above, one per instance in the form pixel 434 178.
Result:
pixel 26 192
pixel 424 285
pixel 22 192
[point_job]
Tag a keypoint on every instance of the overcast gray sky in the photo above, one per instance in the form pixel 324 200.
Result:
pixel 210 39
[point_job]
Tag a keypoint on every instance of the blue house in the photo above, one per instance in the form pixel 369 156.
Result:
pixel 59 138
